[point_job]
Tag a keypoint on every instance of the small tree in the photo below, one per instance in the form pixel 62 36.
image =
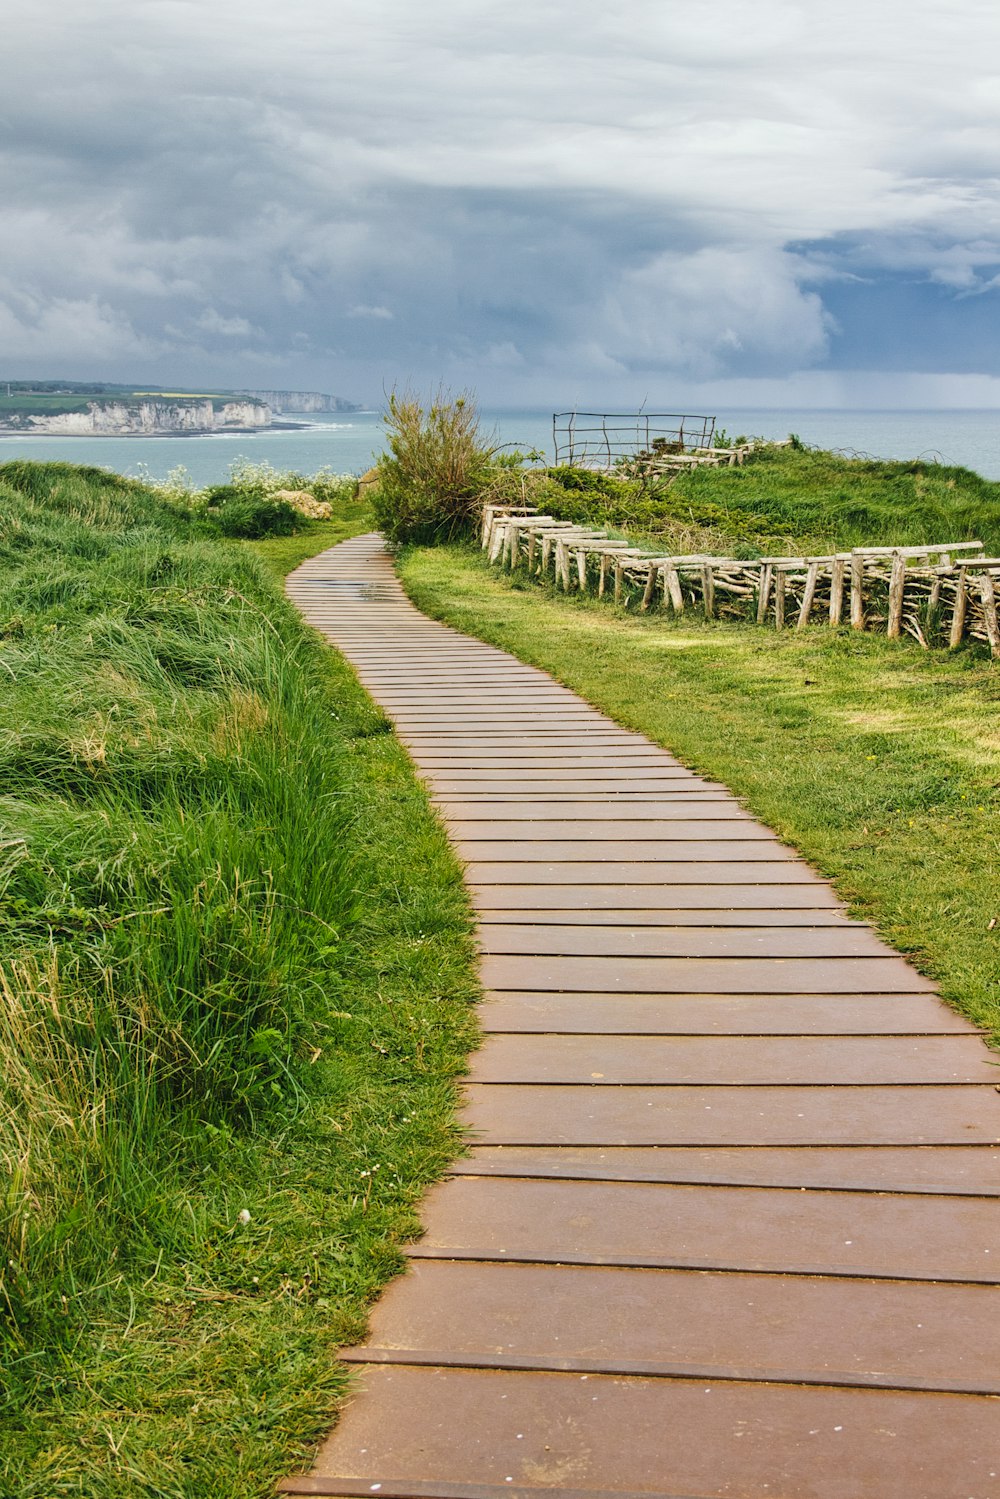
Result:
pixel 436 466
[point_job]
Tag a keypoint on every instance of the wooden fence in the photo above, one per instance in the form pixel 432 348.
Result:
pixel 934 593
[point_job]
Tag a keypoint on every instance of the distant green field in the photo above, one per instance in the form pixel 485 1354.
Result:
pixel 44 402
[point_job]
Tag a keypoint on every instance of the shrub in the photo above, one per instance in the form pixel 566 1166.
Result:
pixel 430 481
pixel 251 516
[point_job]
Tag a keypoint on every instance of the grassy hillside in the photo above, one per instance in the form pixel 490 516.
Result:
pixel 236 974
pixel 788 500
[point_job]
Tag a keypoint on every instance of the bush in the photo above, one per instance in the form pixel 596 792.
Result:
pixel 430 481
pixel 250 516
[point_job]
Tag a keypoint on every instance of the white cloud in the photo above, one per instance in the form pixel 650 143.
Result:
pixel 211 321
pixel 61 330
pixel 695 312
pixel 363 310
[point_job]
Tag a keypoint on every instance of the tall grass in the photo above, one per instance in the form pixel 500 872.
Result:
pixel 200 933
pixel 172 867
pixel 438 461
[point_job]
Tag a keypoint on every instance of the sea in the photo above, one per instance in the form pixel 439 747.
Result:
pixel 350 443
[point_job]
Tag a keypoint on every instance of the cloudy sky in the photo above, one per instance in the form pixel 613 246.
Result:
pixel 770 203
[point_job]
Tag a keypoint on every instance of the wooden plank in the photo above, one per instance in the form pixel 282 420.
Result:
pixel 546 1012
pixel 762 1229
pixel 456 1430
pixel 523 1114
pixel 702 975
pixel 866 1333
pixel 731 1061
pixel 962 1170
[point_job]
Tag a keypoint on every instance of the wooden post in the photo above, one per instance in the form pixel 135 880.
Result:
pixel 988 591
pixel 513 545
pixel 764 592
pixel 836 590
pixel 546 555
pixel 897 586
pixel 490 515
pixel 779 598
pixel 672 588
pixel 497 540
pixel 581 569
pixel 857 591
pixel 532 540
pixel 959 611
pixel 619 576
pixel 943 561
pixel 708 590
pixel 647 597
pixel 808 595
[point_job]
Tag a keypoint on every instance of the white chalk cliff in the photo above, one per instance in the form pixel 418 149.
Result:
pixel 128 418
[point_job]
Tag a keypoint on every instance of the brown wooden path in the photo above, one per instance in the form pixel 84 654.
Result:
pixel 730 1224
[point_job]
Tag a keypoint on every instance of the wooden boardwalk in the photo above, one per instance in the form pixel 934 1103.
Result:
pixel 730 1222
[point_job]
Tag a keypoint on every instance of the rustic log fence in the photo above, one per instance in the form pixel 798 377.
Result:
pixel 948 592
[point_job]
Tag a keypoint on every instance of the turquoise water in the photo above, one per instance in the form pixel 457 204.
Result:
pixel 349 443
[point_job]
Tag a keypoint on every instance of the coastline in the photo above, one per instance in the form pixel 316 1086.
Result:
pixel 6 432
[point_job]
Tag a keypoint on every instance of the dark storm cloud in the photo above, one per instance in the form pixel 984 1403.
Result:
pixel 527 197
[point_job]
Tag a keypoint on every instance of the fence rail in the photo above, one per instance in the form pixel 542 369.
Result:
pixel 948 591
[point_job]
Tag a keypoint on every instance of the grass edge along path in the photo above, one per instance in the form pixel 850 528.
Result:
pixel 879 762
pixel 202 1363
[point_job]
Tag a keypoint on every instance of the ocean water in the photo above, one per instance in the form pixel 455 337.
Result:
pixel 349 444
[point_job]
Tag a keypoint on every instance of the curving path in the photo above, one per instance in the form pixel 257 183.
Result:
pixel 730 1221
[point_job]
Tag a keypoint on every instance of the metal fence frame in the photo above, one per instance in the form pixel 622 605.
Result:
pixel 596 439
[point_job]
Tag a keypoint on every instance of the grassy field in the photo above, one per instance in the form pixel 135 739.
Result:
pixel 50 403
pixel 789 500
pixel 237 975
pixel 879 761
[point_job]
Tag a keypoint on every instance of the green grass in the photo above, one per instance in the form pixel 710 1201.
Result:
pixel 42 405
pixel 791 500
pixel 880 762
pixel 50 403
pixel 237 971
pixel 280 554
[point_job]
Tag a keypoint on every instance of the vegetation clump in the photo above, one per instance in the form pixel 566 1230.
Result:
pixel 784 500
pixel 259 500
pixel 235 972
pixel 431 480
